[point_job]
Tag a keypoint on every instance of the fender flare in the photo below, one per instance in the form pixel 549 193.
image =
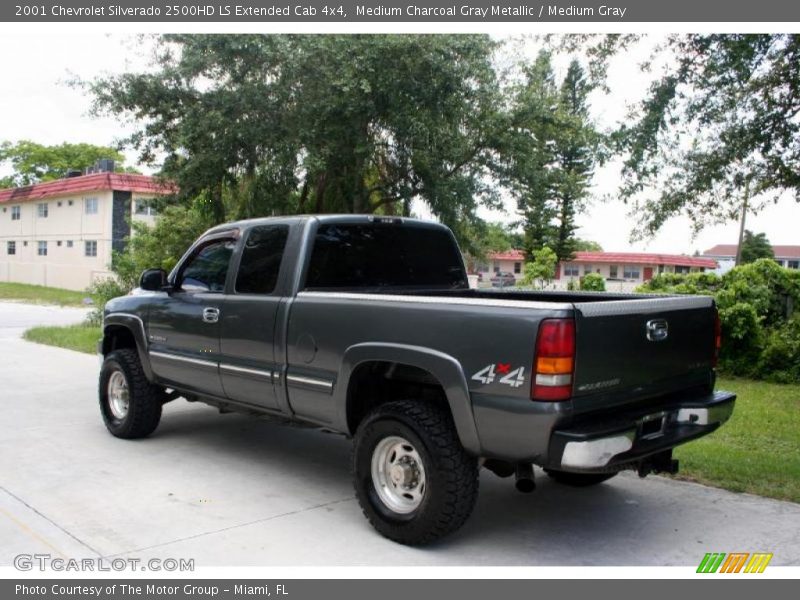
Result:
pixel 446 369
pixel 135 325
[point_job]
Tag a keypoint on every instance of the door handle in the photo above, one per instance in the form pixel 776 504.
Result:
pixel 210 314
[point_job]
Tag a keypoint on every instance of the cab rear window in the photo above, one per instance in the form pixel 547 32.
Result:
pixel 380 256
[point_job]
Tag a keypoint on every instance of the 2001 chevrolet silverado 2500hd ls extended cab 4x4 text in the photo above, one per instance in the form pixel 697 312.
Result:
pixel 367 326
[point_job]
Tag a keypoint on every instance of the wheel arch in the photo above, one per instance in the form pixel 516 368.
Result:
pixel 126 331
pixel 444 371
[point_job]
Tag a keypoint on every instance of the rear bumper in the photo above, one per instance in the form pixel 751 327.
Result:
pixel 615 442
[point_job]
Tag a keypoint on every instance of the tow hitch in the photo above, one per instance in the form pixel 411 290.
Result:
pixel 658 463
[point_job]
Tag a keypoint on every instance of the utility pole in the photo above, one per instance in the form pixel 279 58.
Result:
pixel 741 224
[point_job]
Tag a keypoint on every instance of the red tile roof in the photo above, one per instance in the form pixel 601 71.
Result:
pixel 729 250
pixel 508 255
pixel 644 258
pixel 123 182
pixel 631 258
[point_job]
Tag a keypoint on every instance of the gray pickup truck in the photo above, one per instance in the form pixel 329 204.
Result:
pixel 367 326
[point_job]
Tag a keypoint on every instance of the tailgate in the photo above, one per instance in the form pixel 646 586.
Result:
pixel 637 348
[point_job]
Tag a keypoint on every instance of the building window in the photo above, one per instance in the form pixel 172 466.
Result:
pixel 612 272
pixel 631 272
pixel 42 249
pixel 517 268
pixel 780 262
pixel 90 206
pixel 793 264
pixel 682 270
pixel 571 270
pixel 90 248
pixel 15 213
pixel 11 248
pixel 496 267
pixel 145 207
pixel 69 202
pixel 587 269
pixel 69 243
pixel 41 210
pixel 58 243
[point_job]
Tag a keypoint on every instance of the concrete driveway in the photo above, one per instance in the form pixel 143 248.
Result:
pixel 233 490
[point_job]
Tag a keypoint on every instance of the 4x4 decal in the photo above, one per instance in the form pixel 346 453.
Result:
pixel 489 373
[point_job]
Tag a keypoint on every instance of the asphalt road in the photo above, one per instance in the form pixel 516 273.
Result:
pixel 232 490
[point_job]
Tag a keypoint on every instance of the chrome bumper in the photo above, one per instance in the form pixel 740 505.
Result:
pixel 630 437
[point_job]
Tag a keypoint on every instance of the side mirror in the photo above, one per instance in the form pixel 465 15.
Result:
pixel 153 280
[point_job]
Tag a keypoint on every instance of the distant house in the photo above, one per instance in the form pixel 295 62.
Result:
pixel 61 233
pixel 725 255
pixel 632 267
pixel 503 262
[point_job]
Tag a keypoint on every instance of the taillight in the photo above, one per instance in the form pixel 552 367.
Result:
pixel 717 338
pixel 554 360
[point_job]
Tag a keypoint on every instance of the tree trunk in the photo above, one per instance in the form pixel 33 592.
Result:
pixel 301 205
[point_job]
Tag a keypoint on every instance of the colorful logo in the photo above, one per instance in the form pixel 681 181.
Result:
pixel 735 562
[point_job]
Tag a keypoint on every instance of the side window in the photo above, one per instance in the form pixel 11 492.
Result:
pixel 261 259
pixel 207 269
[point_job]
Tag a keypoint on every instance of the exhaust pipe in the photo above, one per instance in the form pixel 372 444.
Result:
pixel 524 478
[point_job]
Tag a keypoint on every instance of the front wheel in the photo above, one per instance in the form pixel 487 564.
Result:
pixel 129 403
pixel 413 479
pixel 578 479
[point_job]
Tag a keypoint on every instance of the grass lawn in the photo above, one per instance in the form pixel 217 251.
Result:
pixel 757 450
pixel 82 338
pixel 38 294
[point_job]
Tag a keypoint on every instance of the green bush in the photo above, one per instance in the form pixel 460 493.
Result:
pixel 770 288
pixel 780 359
pixel 593 282
pixel 102 291
pixel 743 339
pixel 674 283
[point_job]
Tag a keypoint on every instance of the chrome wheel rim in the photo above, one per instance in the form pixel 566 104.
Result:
pixel 118 395
pixel 398 474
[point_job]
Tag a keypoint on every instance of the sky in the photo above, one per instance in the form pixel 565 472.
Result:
pixel 36 103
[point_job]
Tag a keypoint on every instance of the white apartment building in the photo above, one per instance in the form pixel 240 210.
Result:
pixel 61 233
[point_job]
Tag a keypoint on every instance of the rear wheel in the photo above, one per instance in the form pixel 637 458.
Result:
pixel 578 479
pixel 412 477
pixel 129 403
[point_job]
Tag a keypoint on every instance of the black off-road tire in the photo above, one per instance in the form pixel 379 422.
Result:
pixel 451 474
pixel 144 398
pixel 578 479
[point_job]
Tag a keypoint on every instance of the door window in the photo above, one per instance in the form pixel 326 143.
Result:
pixel 207 269
pixel 261 259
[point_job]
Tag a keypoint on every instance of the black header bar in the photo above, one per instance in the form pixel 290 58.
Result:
pixel 409 11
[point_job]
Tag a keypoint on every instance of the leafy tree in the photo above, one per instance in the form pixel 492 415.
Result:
pixel 755 246
pixel 496 238
pixel 162 244
pixel 32 162
pixel 541 270
pixel 576 147
pixel 718 127
pixel 551 155
pixel 261 124
pixel 527 167
pixel 587 246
